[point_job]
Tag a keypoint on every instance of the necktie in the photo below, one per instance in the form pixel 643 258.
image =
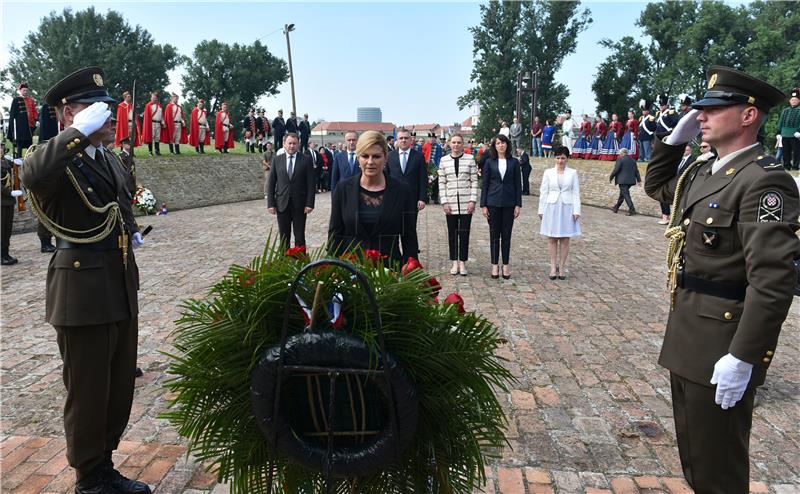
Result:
pixel 291 166
pixel 403 162
pixel 352 161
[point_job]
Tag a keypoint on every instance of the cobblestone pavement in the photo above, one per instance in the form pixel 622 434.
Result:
pixel 591 411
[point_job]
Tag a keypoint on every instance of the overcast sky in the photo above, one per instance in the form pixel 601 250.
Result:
pixel 411 59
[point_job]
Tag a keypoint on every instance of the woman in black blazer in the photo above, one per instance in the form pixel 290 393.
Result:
pixel 501 200
pixel 373 210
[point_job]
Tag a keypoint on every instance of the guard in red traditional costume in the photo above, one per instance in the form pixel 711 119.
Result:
pixel 223 130
pixel 250 130
pixel 581 146
pixel 629 140
pixel 598 136
pixel 610 148
pixel 199 135
pixel 22 117
pixel 154 130
pixel 126 115
pixel 175 125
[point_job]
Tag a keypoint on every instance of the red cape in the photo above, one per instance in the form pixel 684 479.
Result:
pixel 123 132
pixel 169 123
pixel 147 131
pixel 194 129
pixel 219 134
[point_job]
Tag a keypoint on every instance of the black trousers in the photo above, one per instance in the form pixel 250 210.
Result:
pixel 6 225
pixel 713 443
pixel 526 180
pixel 791 153
pixel 277 142
pixel 501 221
pixel 458 226
pixel 292 219
pixel 99 366
pixel 42 232
pixel 624 195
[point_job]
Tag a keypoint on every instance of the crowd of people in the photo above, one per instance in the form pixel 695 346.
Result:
pixel 733 238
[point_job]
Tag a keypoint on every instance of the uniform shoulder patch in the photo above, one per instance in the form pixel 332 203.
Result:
pixel 768 162
pixel 770 207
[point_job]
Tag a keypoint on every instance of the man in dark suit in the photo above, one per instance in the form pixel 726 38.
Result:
pixel 290 191
pixel 625 175
pixel 525 165
pixel 316 159
pixel 278 131
pixel 92 283
pixel 408 165
pixel 304 128
pixel 345 164
pixel 686 160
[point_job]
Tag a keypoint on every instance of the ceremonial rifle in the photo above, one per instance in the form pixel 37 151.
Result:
pixel 15 171
pixel 132 127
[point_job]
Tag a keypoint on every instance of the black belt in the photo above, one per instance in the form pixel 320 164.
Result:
pixel 179 121
pixel 156 121
pixel 714 288
pixel 111 242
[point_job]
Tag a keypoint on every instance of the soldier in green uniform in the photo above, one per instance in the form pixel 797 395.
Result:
pixel 9 201
pixel 789 131
pixel 77 190
pixel 732 242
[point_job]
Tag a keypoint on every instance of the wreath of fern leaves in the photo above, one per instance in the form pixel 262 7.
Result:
pixel 450 358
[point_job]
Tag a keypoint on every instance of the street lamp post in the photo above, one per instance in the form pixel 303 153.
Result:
pixel 286 30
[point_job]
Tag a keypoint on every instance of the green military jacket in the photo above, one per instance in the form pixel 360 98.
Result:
pixel 740 226
pixel 6 180
pixel 789 121
pixel 85 286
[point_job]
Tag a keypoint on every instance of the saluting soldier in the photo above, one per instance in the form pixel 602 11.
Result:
pixel 22 117
pixel 732 241
pixel 78 191
pixel 278 130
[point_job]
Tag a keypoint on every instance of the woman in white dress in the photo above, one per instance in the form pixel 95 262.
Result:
pixel 560 211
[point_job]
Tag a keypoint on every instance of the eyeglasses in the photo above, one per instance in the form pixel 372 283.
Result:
pixel 705 147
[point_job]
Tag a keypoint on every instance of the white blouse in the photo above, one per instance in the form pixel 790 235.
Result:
pixel 501 165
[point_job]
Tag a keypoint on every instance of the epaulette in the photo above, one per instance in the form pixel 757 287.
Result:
pixel 768 162
pixel 651 117
pixel 671 111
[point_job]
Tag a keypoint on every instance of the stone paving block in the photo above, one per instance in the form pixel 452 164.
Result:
pixel 510 481
pixel 591 402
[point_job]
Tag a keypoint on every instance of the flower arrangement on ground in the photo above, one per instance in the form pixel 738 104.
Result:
pixel 447 355
pixel 144 200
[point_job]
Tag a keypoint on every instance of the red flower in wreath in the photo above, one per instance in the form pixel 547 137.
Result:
pixel 410 265
pixel 297 252
pixel 373 255
pixel 435 286
pixel 456 300
pixel 248 277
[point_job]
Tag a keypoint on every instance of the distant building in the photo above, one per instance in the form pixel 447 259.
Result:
pixel 335 131
pixel 369 114
pixel 426 129
pixel 475 113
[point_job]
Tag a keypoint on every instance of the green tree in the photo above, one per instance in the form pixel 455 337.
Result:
pixel 68 41
pixel 497 60
pixel 236 74
pixel 548 31
pixel 619 83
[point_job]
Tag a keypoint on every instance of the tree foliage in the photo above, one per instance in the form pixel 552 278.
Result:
pixel 682 39
pixel 236 74
pixel 68 41
pixel 515 36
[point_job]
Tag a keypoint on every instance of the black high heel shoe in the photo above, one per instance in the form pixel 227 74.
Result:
pixel 563 276
pixel 554 276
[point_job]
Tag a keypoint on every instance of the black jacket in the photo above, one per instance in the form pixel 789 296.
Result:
pixel 625 172
pixel 396 226
pixel 301 188
pixel 501 192
pixel 416 175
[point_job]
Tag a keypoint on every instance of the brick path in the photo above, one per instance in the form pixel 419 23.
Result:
pixel 591 412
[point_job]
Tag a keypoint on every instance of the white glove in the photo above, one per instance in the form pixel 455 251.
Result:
pixel 19 162
pixel 16 193
pixel 731 376
pixel 91 119
pixel 138 240
pixel 687 129
pixel 797 135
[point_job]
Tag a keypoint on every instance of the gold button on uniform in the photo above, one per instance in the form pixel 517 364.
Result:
pixel 687 221
pixel 765 360
pixel 728 316
pixel 89 189
pixel 76 264
pixel 76 141
pixel 709 221
pixel 770 353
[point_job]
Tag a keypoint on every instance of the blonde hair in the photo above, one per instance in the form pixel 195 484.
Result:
pixel 371 138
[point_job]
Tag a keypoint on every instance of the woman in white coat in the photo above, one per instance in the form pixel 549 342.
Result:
pixel 560 211
pixel 458 189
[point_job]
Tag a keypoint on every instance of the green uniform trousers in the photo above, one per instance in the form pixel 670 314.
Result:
pixel 99 366
pixel 713 443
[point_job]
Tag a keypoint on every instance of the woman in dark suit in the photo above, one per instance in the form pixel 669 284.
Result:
pixel 373 210
pixel 501 200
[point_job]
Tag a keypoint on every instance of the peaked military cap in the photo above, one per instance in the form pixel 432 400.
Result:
pixel 727 86
pixel 86 85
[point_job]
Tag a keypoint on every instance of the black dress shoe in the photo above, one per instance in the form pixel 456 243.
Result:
pixel 47 247
pixel 94 485
pixel 121 484
pixel 138 372
pixel 495 276
pixel 506 276
pixel 632 212
pixel 7 260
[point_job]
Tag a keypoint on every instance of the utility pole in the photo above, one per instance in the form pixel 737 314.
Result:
pixel 286 30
